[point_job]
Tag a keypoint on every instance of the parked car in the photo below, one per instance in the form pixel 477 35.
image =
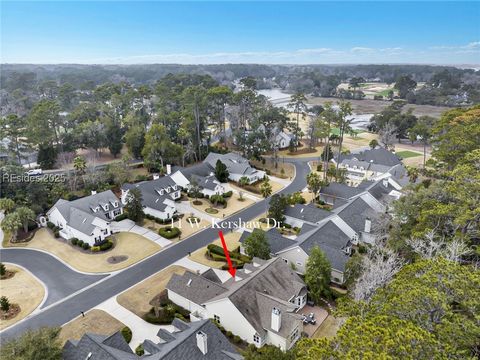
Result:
pixel 34 172
pixel 309 319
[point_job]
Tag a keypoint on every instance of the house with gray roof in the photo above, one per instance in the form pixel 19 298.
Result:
pixel 368 164
pixel 88 218
pixel 158 196
pixel 237 166
pixel 199 340
pixel 260 304
pixel 201 175
pixel 298 214
pixel 328 236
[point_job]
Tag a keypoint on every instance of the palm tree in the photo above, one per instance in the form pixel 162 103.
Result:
pixel 297 102
pixel 79 164
pixel 329 115
pixel 11 223
pixel 243 181
pixel 266 190
pixel 25 214
pixel 343 124
pixel 314 183
pixel 7 205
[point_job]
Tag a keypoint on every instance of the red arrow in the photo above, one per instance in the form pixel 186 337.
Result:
pixel 231 269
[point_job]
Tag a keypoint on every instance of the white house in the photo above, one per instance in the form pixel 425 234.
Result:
pixel 158 196
pixel 209 185
pixel 88 218
pixel 237 166
pixel 260 305
pixel 279 138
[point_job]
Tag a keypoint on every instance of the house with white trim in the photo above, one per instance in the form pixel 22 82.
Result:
pixel 88 218
pixel 203 177
pixel 237 166
pixel 158 196
pixel 260 305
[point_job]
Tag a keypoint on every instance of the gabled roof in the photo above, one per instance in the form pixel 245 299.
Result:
pixel 379 156
pixel 205 182
pixel 235 163
pixel 150 192
pixel 276 241
pixel 343 191
pixel 80 215
pixel 181 344
pixel 101 347
pixel 309 212
pixel 355 213
pixel 273 278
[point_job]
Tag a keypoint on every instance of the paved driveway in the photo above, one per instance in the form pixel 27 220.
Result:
pixel 91 297
pixel 60 280
pixel 129 226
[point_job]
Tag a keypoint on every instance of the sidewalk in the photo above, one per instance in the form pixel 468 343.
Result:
pixel 129 226
pixel 141 330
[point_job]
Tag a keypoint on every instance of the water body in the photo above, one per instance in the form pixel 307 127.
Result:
pixel 281 99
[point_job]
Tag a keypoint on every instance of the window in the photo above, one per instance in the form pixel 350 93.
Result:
pixel 257 339
pixel 294 335
pixel 106 207
pixel 216 318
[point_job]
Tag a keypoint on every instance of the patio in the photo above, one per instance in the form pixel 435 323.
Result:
pixel 320 315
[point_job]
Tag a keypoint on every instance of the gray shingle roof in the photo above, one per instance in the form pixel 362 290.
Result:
pixel 343 191
pixel 205 182
pixel 150 196
pixel 195 287
pixel 235 163
pixel 79 213
pixel 308 212
pixel 276 241
pixel 379 156
pixel 355 213
pixel 179 345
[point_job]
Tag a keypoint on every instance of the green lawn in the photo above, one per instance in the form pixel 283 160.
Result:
pixel 408 154
pixel 336 131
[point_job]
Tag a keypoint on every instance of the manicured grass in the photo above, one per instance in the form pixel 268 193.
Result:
pixel 231 240
pixel 408 154
pixel 21 289
pixel 233 205
pixel 95 321
pixel 137 299
pixel 328 328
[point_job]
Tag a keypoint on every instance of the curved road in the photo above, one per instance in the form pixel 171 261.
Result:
pixel 60 280
pixel 66 310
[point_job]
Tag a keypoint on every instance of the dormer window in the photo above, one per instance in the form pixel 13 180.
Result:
pixel 115 204
pixel 106 207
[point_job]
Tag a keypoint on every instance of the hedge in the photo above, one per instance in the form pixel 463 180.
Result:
pixel 228 194
pixel 74 241
pixel 121 217
pixel 95 248
pixel 106 245
pixel 168 232
pixel 50 225
pixel 56 233
pixel 161 221
pixel 86 246
pixel 127 334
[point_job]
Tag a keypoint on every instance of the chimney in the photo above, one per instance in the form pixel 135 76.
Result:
pixel 94 192
pixel 156 176
pixel 276 319
pixel 169 169
pixel 202 342
pixel 368 225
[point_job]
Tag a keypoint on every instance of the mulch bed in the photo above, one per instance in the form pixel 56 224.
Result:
pixel 117 259
pixel 8 275
pixel 11 313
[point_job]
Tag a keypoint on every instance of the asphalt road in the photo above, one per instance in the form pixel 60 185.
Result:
pixel 65 311
pixel 60 280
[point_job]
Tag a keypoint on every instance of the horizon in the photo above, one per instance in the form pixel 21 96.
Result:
pixel 267 33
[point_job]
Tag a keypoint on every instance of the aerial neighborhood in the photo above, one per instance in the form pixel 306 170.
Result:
pixel 276 209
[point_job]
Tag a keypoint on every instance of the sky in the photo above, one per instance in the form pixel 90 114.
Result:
pixel 122 32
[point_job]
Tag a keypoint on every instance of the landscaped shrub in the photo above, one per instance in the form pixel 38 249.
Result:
pixel 50 225
pixel 215 249
pixel 362 249
pixel 106 245
pixel 218 200
pixel 121 217
pixel 127 334
pixel 95 248
pixel 229 334
pixel 74 241
pixel 169 232
pixel 228 194
pixel 56 233
pixel 166 314
pixel 197 202
pixel 237 339
pixel 211 210
pixel 80 243
pixel 86 246
pixel 139 350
